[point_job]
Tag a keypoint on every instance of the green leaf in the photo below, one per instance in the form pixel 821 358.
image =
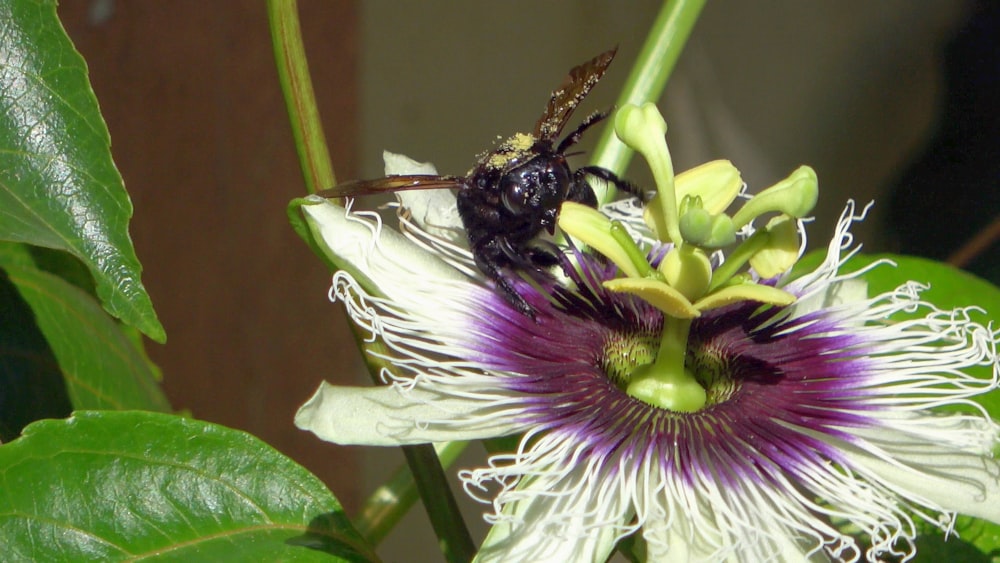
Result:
pixel 64 265
pixel 978 541
pixel 110 486
pixel 949 287
pixel 101 366
pixel 58 185
pixel 632 547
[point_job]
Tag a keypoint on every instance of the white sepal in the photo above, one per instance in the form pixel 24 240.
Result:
pixel 434 211
pixel 393 415
pixel 382 255
pixel 964 480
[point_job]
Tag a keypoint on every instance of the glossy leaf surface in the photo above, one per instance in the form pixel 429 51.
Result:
pixel 108 486
pixel 58 185
pixel 102 368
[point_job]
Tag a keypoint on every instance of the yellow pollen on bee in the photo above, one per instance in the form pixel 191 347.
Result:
pixel 513 148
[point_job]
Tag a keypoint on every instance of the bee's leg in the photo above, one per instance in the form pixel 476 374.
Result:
pixel 491 258
pixel 574 137
pixel 580 191
pixel 542 254
pixel 611 178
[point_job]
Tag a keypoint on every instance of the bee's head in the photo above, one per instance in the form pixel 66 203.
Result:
pixel 536 189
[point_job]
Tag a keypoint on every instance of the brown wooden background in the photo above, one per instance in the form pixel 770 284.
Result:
pixel 200 134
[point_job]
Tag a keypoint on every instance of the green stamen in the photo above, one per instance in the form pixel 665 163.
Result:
pixel 695 223
pixel 595 230
pixel 796 196
pixel 716 183
pixel 657 293
pixel 737 293
pixel 689 210
pixel 688 270
pixel 782 249
pixel 636 256
pixel 642 128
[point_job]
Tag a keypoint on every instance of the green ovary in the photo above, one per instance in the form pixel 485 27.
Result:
pixel 624 353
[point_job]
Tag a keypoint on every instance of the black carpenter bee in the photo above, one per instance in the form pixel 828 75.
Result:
pixel 515 191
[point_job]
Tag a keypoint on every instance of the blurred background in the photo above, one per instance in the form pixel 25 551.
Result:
pixel 894 101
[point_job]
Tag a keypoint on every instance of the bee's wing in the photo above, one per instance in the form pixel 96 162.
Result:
pixel 392 184
pixel 574 89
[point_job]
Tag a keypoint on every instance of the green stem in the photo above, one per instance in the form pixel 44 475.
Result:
pixel 310 143
pixel 427 474
pixel 391 501
pixel 649 75
pixel 453 537
pixel 296 85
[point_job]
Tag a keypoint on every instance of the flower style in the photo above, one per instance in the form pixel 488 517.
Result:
pixel 813 415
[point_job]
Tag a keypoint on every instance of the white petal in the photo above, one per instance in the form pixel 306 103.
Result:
pixel 718 520
pixel 392 416
pixel 398 164
pixel 435 208
pixel 434 211
pixel 922 471
pixel 535 527
pixel 833 295
pixel 679 547
pixel 382 255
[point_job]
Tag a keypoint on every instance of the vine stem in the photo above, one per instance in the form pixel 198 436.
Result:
pixel 648 78
pixel 975 246
pixel 382 511
pixel 300 100
pixel 310 143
